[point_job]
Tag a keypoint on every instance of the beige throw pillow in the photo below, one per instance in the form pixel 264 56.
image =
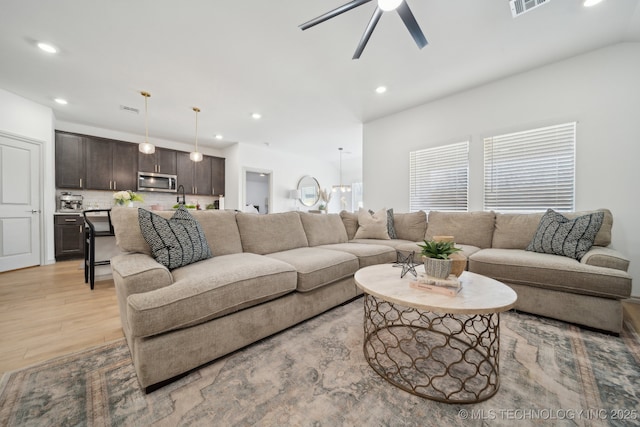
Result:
pixel 372 226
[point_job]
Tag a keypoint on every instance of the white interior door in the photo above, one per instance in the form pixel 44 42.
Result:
pixel 19 203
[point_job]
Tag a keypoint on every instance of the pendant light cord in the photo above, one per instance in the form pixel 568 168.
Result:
pixel 197 110
pixel 146 119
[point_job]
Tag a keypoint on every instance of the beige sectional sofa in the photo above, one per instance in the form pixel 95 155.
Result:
pixel 269 272
pixel 588 292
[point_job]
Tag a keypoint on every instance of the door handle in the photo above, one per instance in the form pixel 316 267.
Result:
pixel 34 211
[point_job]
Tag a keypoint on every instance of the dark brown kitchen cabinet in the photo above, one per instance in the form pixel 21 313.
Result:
pixel 194 176
pixel 69 236
pixel 111 165
pixel 125 166
pixel 162 161
pixel 217 176
pixel 70 163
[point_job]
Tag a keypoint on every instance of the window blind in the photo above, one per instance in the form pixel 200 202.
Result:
pixel 439 178
pixel 531 170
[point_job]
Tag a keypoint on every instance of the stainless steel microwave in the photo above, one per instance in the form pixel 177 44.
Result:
pixel 148 181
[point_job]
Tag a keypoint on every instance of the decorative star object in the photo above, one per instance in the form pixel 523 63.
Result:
pixel 407 264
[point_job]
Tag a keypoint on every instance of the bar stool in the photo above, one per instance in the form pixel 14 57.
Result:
pixel 90 234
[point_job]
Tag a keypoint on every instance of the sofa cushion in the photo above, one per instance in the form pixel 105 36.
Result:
pixel 372 226
pixel 174 242
pixel 265 234
pixel 208 290
pixel 350 221
pixel 520 267
pixel 466 250
pixel 410 226
pixel 467 228
pixel 219 228
pixel 392 243
pixel 318 267
pixel 559 235
pixel 515 231
pixel 367 254
pixel 323 229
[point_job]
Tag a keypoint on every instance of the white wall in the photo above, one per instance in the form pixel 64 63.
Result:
pixel 20 116
pixel 600 90
pixel 286 168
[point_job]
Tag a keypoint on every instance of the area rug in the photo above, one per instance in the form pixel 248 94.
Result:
pixel 315 374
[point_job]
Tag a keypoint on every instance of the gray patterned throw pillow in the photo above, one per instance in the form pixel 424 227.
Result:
pixel 559 235
pixel 174 242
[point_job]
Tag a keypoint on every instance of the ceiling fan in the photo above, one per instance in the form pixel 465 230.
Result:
pixel 383 6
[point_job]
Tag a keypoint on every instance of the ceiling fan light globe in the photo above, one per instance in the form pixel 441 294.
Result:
pixel 389 5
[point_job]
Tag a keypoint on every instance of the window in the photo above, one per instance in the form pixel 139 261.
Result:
pixel 439 178
pixel 531 170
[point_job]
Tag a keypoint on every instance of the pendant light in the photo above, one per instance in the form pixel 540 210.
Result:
pixel 341 188
pixel 146 147
pixel 195 155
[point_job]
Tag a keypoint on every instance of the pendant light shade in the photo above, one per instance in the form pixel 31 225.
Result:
pixel 146 147
pixel 341 188
pixel 195 155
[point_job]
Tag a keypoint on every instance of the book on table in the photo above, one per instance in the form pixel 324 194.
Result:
pixel 449 286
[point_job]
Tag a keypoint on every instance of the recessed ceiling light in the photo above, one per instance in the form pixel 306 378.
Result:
pixel 589 3
pixel 47 47
pixel 256 115
pixel 381 89
pixel 61 101
pixel 218 136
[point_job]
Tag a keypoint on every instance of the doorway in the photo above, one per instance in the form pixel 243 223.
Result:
pixel 20 201
pixel 257 187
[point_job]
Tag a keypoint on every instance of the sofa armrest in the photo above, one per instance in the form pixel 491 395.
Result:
pixel 135 273
pixel 599 256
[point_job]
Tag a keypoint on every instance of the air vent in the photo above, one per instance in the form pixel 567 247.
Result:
pixel 129 109
pixel 519 7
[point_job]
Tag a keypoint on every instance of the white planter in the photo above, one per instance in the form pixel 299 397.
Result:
pixel 439 268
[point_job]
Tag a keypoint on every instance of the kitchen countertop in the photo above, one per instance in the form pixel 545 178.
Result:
pixel 79 213
pixel 67 213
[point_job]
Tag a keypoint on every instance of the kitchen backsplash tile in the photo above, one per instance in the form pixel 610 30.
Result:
pixel 163 201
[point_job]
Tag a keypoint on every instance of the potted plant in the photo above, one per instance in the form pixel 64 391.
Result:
pixel 435 255
pixel 325 198
pixel 127 197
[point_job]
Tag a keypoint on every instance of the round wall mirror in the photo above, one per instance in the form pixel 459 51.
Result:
pixel 309 190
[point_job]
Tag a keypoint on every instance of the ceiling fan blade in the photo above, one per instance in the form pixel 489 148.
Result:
pixel 367 32
pixel 412 25
pixel 335 12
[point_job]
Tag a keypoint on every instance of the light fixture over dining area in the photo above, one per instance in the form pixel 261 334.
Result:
pixel 196 156
pixel 146 147
pixel 341 188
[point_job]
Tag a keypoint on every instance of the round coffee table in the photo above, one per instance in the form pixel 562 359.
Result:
pixel 441 347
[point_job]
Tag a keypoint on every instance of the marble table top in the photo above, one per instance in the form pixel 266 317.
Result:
pixel 479 294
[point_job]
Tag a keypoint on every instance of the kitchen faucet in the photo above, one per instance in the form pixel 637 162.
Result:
pixel 183 195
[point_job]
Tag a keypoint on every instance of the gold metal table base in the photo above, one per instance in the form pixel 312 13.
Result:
pixel 448 358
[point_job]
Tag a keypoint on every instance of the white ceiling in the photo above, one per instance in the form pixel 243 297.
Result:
pixel 231 58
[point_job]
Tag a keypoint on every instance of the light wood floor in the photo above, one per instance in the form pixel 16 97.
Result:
pixel 49 311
